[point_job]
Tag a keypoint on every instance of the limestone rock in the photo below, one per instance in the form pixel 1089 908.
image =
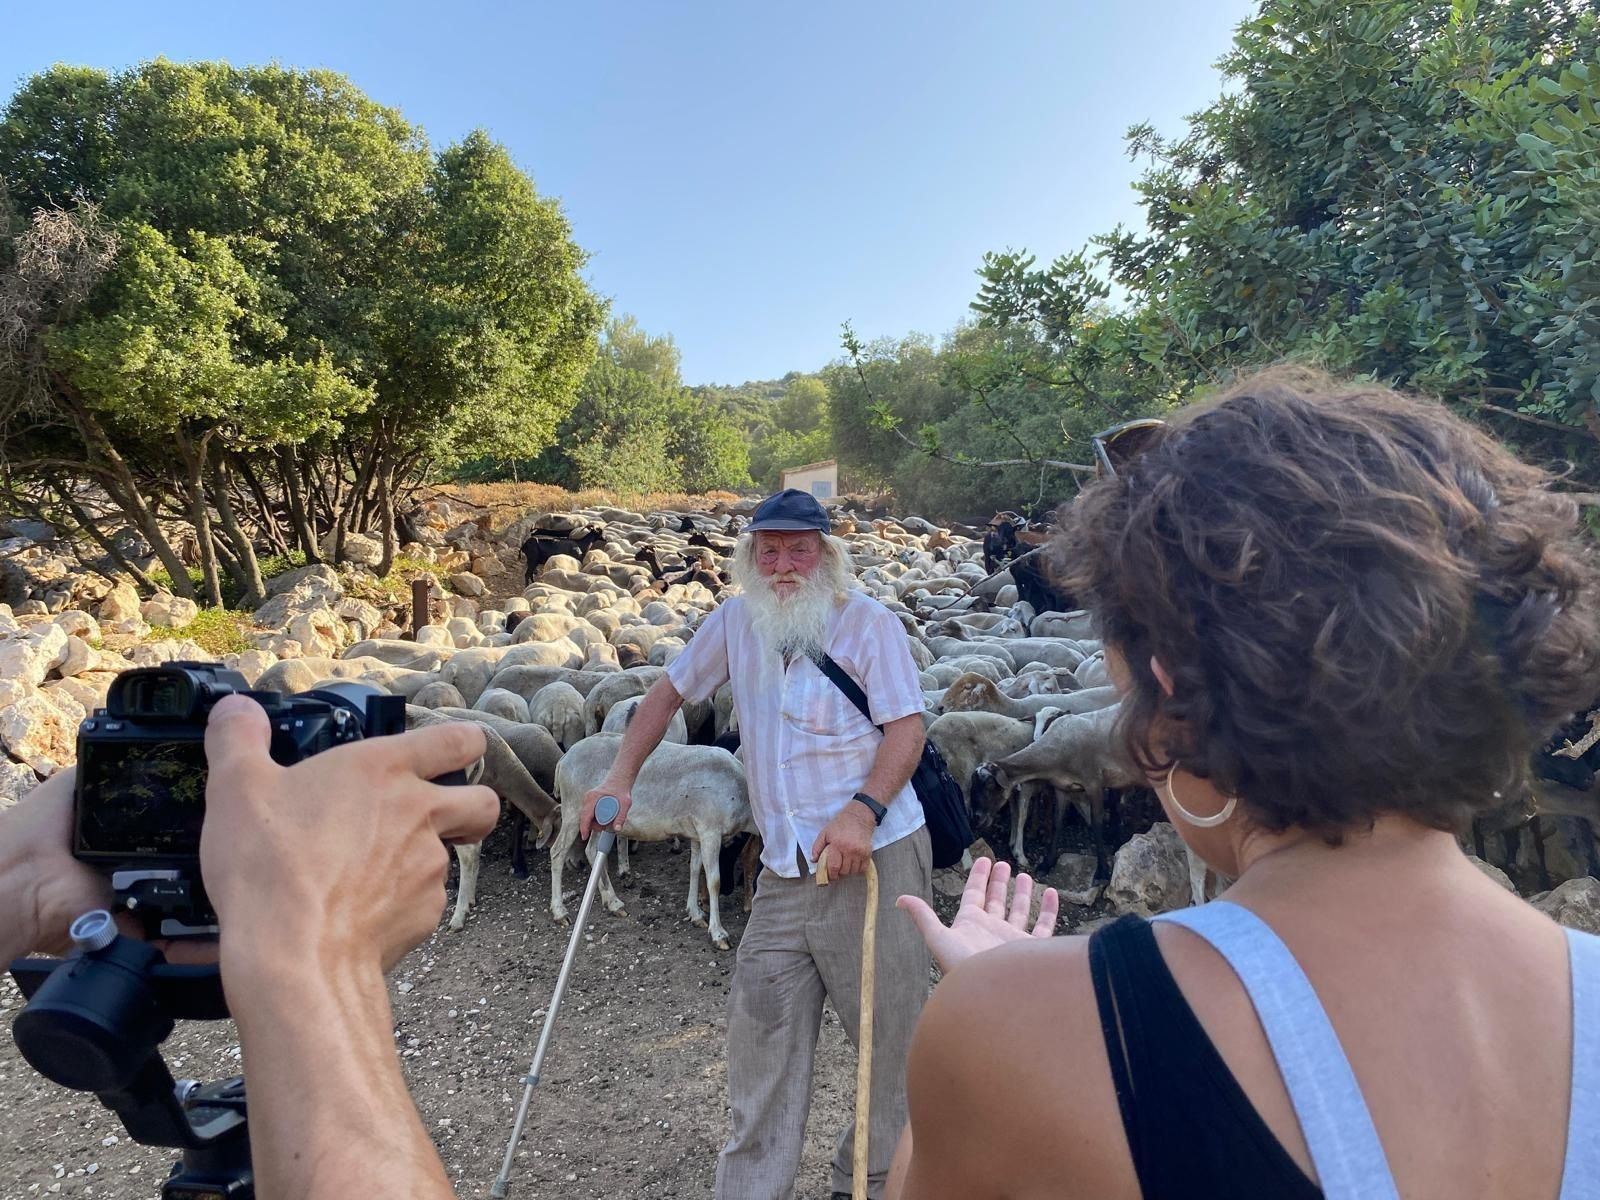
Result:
pixel 468 584
pixel 41 732
pixel 16 781
pixel 121 604
pixel 166 609
pixel 363 618
pixel 250 663
pixel 1150 874
pixel 362 550
pixel 1575 904
pixel 13 690
pixel 33 655
pixel 1073 878
pixel 280 645
pixel 87 690
pixel 153 654
pixel 300 591
pixel 77 623
pixel 78 659
pixel 319 632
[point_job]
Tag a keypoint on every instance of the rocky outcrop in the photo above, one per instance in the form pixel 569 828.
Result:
pixel 172 612
pixel 1150 873
pixel 1575 904
pixel 296 592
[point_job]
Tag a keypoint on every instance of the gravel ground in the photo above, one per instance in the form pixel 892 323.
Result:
pixel 633 1098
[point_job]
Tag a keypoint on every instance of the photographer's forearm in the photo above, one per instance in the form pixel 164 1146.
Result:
pixel 330 1116
pixel 645 731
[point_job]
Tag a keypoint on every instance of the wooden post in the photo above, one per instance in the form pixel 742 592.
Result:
pixel 419 605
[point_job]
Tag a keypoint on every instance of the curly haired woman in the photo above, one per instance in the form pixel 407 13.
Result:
pixel 1341 619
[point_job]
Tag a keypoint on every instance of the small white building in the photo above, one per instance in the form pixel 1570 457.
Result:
pixel 821 479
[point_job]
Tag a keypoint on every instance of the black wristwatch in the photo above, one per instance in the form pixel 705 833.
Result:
pixel 879 812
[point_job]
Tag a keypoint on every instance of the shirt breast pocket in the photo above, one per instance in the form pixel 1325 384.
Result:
pixel 819 708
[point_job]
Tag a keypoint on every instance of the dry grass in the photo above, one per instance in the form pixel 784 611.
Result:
pixel 543 497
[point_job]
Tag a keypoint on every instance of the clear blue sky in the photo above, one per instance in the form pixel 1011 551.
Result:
pixel 745 175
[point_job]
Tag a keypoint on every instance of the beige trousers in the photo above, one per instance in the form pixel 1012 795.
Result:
pixel 802 944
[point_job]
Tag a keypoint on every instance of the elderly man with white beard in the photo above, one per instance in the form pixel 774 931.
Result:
pixel 824 781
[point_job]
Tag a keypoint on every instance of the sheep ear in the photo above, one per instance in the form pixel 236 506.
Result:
pixel 1162 677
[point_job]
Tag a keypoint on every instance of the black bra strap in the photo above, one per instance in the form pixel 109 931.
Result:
pixel 1113 1032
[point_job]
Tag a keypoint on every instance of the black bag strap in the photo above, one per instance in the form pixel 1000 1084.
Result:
pixel 845 684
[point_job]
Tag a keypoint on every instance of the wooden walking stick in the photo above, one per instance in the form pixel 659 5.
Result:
pixel 869 979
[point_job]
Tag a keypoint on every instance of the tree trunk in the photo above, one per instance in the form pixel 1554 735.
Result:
pixel 193 457
pixel 299 518
pixel 126 497
pixel 140 579
pixel 124 491
pixel 386 516
pixel 269 517
pixel 250 581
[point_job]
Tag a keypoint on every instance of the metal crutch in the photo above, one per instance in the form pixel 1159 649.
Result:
pixel 605 812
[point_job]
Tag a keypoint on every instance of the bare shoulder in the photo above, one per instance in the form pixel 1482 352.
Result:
pixel 1008 1082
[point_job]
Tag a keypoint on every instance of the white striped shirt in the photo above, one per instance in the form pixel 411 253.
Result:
pixel 806 748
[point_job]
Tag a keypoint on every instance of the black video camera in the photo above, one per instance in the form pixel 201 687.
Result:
pixel 141 790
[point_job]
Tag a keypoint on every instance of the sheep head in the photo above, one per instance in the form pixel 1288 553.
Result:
pixel 972 692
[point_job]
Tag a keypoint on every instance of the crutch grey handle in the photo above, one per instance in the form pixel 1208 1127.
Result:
pixel 606 811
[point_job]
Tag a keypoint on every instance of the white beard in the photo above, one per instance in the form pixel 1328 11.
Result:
pixel 795 625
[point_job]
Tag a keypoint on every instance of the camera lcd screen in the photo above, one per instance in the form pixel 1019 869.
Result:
pixel 140 798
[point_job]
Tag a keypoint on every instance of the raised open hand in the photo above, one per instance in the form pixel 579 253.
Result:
pixel 984 920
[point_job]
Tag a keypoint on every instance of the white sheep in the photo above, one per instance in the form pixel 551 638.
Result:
pixel 1076 754
pixel 503 770
pixel 558 706
pixel 696 792
pixel 501 703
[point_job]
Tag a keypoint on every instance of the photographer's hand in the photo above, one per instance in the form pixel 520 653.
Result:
pixel 43 889
pixel 323 875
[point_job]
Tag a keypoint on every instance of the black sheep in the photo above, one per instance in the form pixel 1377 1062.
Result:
pixel 999 544
pixel 542 546
pixel 1034 586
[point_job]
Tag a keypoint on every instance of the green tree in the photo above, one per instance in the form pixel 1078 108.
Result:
pixel 305 309
pixel 1399 188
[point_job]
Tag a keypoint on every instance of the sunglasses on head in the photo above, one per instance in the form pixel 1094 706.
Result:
pixel 1114 447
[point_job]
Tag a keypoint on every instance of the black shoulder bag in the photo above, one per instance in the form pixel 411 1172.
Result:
pixel 943 807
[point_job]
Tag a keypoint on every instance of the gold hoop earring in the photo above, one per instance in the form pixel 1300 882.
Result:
pixel 1210 822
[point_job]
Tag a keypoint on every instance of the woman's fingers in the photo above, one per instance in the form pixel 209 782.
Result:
pixel 995 901
pixel 1049 911
pixel 1021 902
pixel 923 917
pixel 977 887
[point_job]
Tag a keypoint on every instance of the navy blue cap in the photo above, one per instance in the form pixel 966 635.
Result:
pixel 791 510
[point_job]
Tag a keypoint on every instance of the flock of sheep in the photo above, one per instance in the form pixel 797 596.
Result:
pixel 1017 700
